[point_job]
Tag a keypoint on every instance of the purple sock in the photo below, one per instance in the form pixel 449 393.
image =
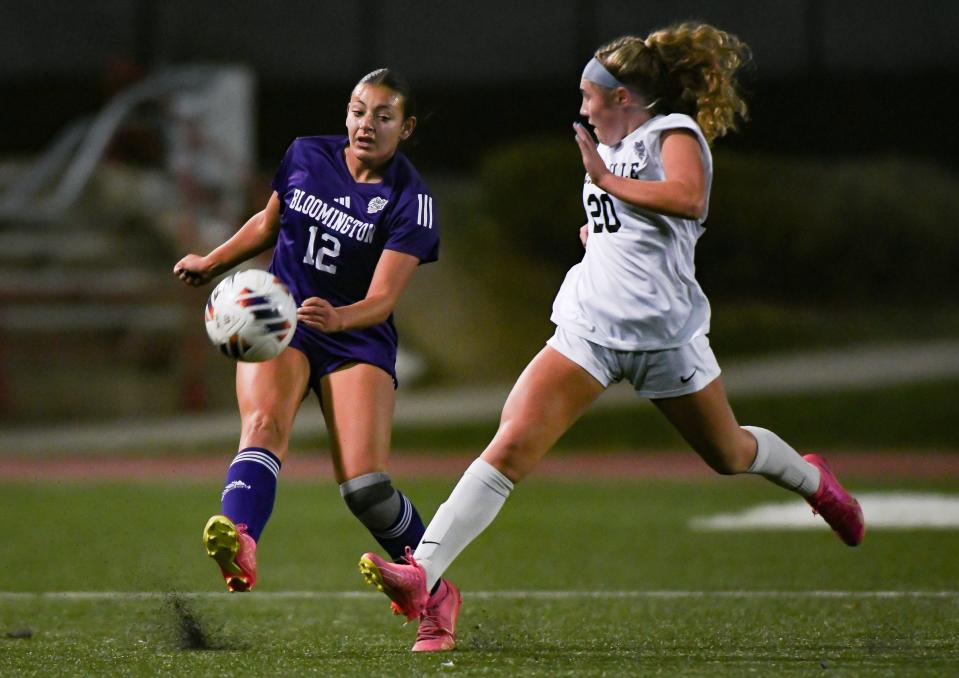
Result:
pixel 407 530
pixel 385 511
pixel 250 489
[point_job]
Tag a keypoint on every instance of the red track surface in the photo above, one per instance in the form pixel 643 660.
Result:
pixel 673 465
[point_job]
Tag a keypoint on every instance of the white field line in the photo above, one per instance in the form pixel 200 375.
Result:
pixel 490 595
pixel 883 510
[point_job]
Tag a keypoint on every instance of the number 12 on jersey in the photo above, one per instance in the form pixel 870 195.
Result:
pixel 603 213
pixel 331 251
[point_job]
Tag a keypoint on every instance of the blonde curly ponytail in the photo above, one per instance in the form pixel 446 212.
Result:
pixel 686 68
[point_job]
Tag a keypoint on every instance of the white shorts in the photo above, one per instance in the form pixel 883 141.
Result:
pixel 666 373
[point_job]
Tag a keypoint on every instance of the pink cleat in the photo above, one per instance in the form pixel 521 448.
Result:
pixel 437 631
pixel 404 584
pixel 233 550
pixel 835 505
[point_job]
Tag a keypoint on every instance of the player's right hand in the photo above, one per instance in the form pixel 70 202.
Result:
pixel 193 270
pixel 584 234
pixel 320 315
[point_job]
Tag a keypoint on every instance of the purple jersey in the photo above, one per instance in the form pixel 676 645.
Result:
pixel 333 231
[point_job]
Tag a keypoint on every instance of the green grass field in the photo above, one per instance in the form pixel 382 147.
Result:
pixel 904 416
pixel 574 578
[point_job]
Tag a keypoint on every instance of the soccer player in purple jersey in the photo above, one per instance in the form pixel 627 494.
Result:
pixel 349 221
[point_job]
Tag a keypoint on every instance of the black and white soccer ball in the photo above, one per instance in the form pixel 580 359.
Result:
pixel 251 316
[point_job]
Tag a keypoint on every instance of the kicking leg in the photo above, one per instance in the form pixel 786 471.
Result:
pixel 269 395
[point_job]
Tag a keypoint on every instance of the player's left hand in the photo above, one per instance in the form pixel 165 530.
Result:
pixel 594 164
pixel 320 315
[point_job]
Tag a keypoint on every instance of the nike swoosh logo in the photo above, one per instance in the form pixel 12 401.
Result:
pixel 691 375
pixel 430 542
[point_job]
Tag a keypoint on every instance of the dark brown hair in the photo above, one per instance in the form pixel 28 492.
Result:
pixel 393 80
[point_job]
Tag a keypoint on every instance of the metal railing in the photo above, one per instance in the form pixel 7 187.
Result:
pixel 69 163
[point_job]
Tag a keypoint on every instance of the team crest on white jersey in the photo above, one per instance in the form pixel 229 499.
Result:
pixel 640 149
pixel 376 204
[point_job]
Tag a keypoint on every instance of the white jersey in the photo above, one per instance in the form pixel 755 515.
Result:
pixel 635 289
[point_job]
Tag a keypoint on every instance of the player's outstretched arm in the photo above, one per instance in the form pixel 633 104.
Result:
pixel 681 194
pixel 256 235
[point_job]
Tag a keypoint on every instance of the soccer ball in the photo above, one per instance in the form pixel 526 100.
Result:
pixel 251 316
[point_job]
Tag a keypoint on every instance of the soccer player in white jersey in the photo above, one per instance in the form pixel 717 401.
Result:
pixel 631 309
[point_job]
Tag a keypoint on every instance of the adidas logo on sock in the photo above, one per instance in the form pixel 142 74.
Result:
pixel 235 485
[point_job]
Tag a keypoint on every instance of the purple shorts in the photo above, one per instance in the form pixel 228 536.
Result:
pixel 326 355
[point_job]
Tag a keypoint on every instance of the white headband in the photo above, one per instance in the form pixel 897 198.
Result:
pixel 596 73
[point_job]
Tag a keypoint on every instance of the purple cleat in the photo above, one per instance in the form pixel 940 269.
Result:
pixel 835 505
pixel 404 584
pixel 437 631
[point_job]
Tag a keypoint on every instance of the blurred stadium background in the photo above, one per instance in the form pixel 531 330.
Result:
pixel 132 131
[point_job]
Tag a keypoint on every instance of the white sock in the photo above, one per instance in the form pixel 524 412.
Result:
pixel 471 507
pixel 778 462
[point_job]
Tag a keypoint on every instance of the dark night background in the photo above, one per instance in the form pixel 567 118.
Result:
pixel 832 219
pixel 828 78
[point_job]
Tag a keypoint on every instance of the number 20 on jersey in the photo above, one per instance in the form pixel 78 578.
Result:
pixel 602 212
